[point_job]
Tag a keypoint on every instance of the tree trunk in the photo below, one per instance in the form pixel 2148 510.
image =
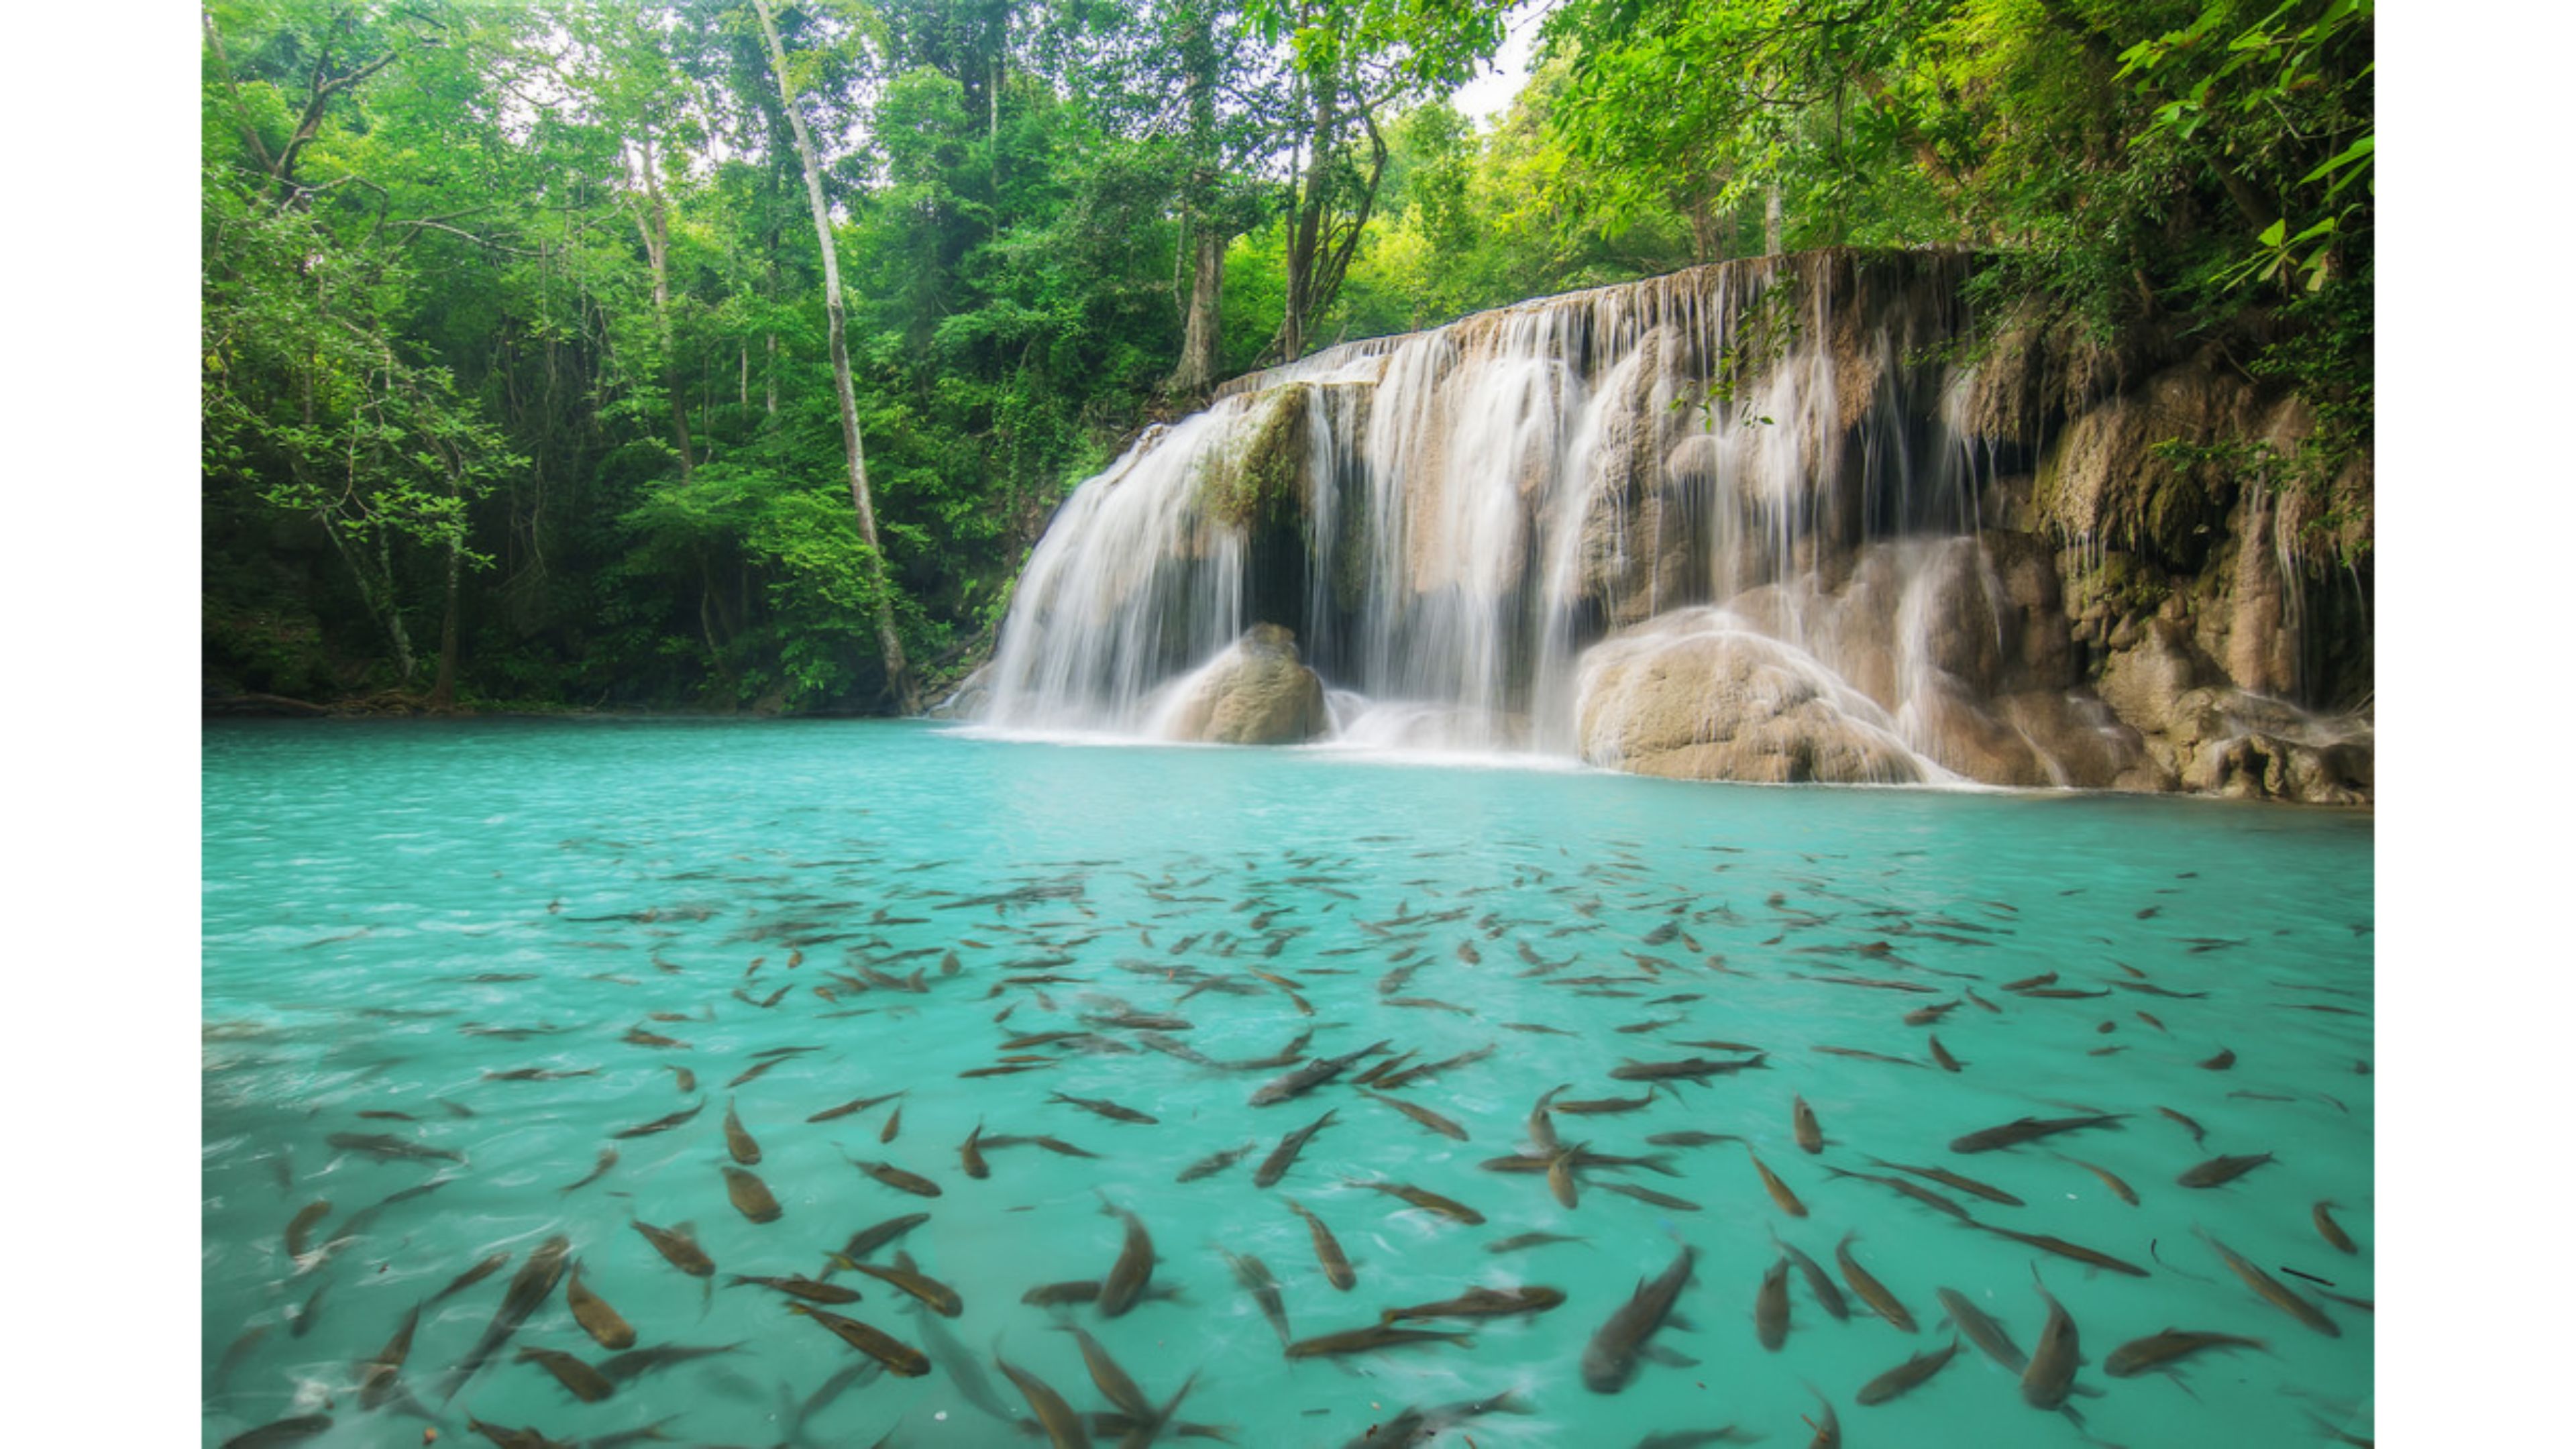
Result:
pixel 898 677
pixel 1773 227
pixel 655 223
pixel 1203 338
pixel 442 693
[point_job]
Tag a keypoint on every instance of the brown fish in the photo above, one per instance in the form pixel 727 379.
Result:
pixel 528 1291
pixel 867 1240
pixel 2220 1170
pixel 1910 1374
pixel 2188 1125
pixel 1421 1114
pixel 1983 1331
pixel 1275 1166
pixel 895 1177
pixel 1779 1190
pixel 1941 1055
pixel 737 1141
pixel 900 1358
pixel 2029 1129
pixel 1871 1291
pixel 2271 1290
pixel 1802 1117
pixel 2126 1193
pixel 2330 1230
pixel 970 1155
pixel 1063 1427
pixel 2050 1375
pixel 2065 1249
pixel 470 1277
pixel 1364 1340
pixel 2226 1058
pixel 1255 1277
pixel 943 1300
pixel 1610 1359
pixel 581 1380
pixel 1135 1265
pixel 750 1196
pixel 1819 1282
pixel 893 1125
pixel 1104 1107
pixel 1481 1303
pixel 303 1223
pixel 379 1377
pixel 810 1289
pixel 1328 1249
pixel 604 1324
pixel 677 1247
pixel 1428 1201
pixel 857 1104
pixel 1771 1305
pixel 664 1124
pixel 683 1078
pixel 2163 1349
pixel 1963 1183
pixel 1214 1163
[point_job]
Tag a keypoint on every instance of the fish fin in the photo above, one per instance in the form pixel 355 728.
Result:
pixel 1680 1324
pixel 1669 1358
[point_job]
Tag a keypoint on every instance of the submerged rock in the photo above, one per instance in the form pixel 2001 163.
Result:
pixel 1697 695
pixel 1255 693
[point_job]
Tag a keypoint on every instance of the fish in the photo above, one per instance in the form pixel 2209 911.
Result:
pixel 737 1141
pixel 1693 1069
pixel 2226 1058
pixel 2027 982
pixel 1135 1265
pixel 579 1379
pixel 1910 1374
pixel 2194 1128
pixel 810 1289
pixel 1328 1249
pixel 470 1277
pixel 1983 1331
pixel 1857 1054
pixel 302 1223
pixel 604 1324
pixel 1771 1305
pixel 1610 1359
pixel 1829 1432
pixel 867 1240
pixel 2162 1349
pixel 1421 1114
pixel 682 1077
pixel 1914 1190
pixel 970 1155
pixel 1113 1381
pixel 385 1147
pixel 941 1298
pixel 1104 1107
pixel 1412 1427
pixel 1275 1166
pixel 1309 1076
pixel 282 1431
pixel 1520 1241
pixel 2126 1193
pixel 2029 1129
pixel 1941 1055
pixel 664 1124
pixel 1648 1194
pixel 750 1196
pixel 2050 1375
pixel 858 1104
pixel 1964 1184
pixel 1481 1303
pixel 607 1160
pixel 900 1358
pixel 2065 1249
pixel 2220 1170
pixel 2330 1230
pixel 678 1248
pixel 1364 1340
pixel 893 1125
pixel 379 1377
pixel 1603 1106
pixel 635 1363
pixel 1811 1137
pixel 528 1291
pixel 638 1036
pixel 1779 1190
pixel 1255 1277
pixel 1871 1291
pixel 895 1177
pixel 1819 1282
pixel 1214 1163
pixel 2271 1290
pixel 1428 1201
pixel 753 1073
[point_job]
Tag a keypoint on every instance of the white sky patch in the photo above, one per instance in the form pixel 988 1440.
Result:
pixel 1488 96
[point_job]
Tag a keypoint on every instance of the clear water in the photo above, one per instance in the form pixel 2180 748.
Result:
pixel 357 877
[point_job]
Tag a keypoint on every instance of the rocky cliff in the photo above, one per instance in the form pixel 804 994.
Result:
pixel 1802 518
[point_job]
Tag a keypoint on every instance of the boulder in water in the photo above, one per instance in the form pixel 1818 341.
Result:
pixel 1696 695
pixel 1255 693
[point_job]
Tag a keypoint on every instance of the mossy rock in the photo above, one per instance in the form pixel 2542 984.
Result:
pixel 1260 477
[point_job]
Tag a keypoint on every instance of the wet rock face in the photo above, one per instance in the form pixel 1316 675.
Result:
pixel 1695 696
pixel 1257 693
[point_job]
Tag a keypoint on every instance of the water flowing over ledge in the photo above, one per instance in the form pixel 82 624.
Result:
pixel 1780 520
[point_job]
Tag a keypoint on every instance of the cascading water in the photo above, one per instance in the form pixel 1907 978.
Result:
pixel 1739 498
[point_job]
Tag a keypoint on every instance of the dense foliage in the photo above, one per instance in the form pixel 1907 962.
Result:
pixel 517 385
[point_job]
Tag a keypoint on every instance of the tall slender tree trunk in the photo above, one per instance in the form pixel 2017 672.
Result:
pixel 442 693
pixel 899 680
pixel 655 223
pixel 1773 226
pixel 1203 337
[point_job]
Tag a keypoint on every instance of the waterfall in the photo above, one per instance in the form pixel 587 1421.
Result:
pixel 1743 498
